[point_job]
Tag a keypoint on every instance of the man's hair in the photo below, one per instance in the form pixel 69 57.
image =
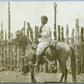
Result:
pixel 45 18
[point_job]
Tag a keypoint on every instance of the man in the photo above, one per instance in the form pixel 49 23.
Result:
pixel 44 39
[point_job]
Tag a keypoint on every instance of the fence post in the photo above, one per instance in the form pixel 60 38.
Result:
pixel 24 27
pixel 28 30
pixel 11 54
pixel 5 50
pixel 15 56
pixel 67 34
pixel 72 41
pixel 7 56
pixel 2 45
pixel 31 34
pixel 55 33
pixel 62 34
pixel 58 33
pixel 36 40
pixel 36 33
pixel 77 46
pixel 82 52
pixel 81 34
pixel 0 49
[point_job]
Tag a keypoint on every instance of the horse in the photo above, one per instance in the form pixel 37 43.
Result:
pixel 59 50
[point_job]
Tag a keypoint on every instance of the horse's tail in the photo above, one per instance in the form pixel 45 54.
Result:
pixel 73 64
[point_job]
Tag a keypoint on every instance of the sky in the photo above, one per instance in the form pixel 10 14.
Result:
pixel 31 11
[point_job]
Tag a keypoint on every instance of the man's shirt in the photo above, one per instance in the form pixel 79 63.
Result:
pixel 45 34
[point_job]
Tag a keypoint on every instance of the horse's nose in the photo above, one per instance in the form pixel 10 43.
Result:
pixel 17 34
pixel 30 62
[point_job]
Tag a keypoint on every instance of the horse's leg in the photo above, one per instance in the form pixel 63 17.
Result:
pixel 61 77
pixel 32 73
pixel 63 71
pixel 41 67
pixel 56 64
pixel 73 65
pixel 65 75
pixel 46 67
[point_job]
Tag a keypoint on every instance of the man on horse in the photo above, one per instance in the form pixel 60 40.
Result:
pixel 44 38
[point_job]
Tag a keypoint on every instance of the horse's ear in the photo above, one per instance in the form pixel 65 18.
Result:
pixel 29 40
pixel 55 42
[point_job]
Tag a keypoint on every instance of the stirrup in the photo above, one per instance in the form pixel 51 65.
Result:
pixel 36 64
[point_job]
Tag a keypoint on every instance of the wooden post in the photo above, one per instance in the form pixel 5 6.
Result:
pixel 62 34
pixel 8 20
pixel 20 57
pixel 0 50
pixel 18 60
pixel 24 27
pixel 5 50
pixel 23 47
pixel 82 34
pixel 77 46
pixel 82 52
pixel 11 57
pixel 28 30
pixel 67 34
pixel 11 54
pixel 55 33
pixel 72 37
pixel 2 44
pixel 15 57
pixel 37 69
pixel 36 33
pixel 31 34
pixel 77 32
pixel 58 33
pixel 7 56
pixel 13 66
pixel 9 34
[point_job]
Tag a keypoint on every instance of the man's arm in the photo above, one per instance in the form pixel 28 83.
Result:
pixel 39 34
pixel 46 32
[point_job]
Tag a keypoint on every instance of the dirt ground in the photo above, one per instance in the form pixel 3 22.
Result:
pixel 12 76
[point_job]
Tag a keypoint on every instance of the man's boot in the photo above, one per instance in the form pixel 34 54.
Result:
pixel 36 64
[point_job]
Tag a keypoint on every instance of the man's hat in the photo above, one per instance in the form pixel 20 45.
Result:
pixel 45 18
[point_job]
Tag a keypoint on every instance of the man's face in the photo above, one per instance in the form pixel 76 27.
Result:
pixel 42 20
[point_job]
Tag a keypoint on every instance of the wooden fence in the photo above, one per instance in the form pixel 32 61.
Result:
pixel 12 58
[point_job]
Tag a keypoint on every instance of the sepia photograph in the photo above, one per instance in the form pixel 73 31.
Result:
pixel 41 41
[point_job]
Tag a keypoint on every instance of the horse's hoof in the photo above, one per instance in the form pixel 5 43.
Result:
pixel 34 81
pixel 35 65
pixel 60 81
pixel 22 73
pixel 65 81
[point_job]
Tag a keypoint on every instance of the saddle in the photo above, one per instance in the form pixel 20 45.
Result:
pixel 49 49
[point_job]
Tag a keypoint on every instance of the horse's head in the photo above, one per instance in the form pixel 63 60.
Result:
pixel 19 39
pixel 52 46
pixel 15 37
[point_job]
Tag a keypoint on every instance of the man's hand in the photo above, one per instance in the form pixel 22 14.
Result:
pixel 39 34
